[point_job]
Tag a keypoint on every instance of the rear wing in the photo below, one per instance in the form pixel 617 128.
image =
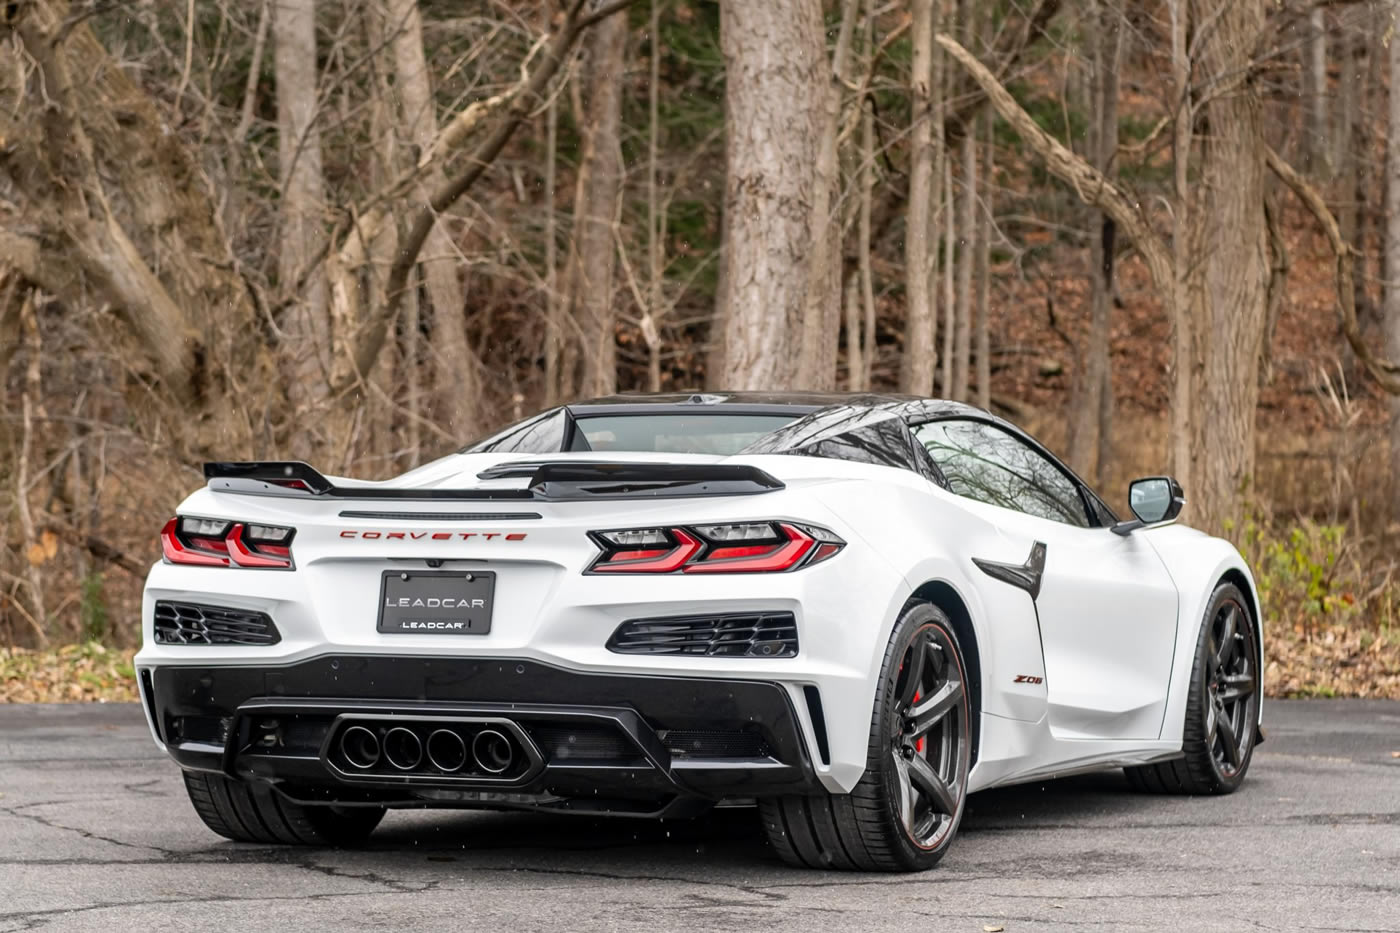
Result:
pixel 550 480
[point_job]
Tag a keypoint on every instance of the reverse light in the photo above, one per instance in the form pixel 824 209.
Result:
pixel 750 547
pixel 209 542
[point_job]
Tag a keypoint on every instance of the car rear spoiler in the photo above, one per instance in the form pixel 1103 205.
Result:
pixel 550 480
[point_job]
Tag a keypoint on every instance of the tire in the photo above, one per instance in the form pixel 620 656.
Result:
pixel 867 829
pixel 254 812
pixel 1222 708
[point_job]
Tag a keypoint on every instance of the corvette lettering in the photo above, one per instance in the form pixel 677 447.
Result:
pixel 433 535
pixel 433 602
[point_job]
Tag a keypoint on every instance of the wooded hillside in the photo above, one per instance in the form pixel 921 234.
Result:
pixel 363 232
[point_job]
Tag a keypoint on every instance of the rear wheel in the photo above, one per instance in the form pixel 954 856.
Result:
pixel 253 812
pixel 905 810
pixel 1222 709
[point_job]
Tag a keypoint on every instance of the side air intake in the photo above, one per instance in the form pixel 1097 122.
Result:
pixel 746 635
pixel 193 624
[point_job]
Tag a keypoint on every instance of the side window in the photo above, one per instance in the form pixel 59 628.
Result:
pixel 542 434
pixel 985 463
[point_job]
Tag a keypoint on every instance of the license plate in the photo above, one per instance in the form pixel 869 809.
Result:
pixel 419 602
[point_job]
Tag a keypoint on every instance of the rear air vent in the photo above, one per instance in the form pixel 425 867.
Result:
pixel 192 624
pixel 579 744
pixel 748 635
pixel 692 744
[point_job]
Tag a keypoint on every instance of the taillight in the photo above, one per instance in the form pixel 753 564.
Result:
pixel 747 547
pixel 210 542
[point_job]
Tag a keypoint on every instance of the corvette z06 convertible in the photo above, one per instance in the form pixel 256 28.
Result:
pixel 849 611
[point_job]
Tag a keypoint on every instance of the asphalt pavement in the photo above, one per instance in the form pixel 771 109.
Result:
pixel 96 834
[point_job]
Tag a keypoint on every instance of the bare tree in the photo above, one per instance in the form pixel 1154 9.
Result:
pixel 592 254
pixel 454 366
pixel 775 89
pixel 1391 295
pixel 1221 289
pixel 1091 410
pixel 307 324
pixel 920 360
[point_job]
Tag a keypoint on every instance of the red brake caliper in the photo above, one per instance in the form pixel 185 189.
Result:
pixel 919 744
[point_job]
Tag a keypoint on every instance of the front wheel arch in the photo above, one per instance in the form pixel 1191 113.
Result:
pixel 946 598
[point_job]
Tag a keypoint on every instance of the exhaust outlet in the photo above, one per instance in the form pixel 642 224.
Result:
pixel 492 751
pixel 446 750
pixel 403 749
pixel 360 747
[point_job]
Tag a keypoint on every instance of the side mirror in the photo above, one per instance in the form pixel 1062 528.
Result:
pixel 1154 501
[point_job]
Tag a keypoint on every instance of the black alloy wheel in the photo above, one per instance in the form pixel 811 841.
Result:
pixel 1222 708
pixel 929 737
pixel 1232 688
pixel 904 811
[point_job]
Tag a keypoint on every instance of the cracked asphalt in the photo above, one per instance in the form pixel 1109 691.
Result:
pixel 96 834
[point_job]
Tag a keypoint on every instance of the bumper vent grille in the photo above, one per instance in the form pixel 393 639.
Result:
pixel 747 635
pixel 575 744
pixel 191 624
pixel 707 744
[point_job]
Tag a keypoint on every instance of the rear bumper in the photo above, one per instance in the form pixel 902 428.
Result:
pixel 592 742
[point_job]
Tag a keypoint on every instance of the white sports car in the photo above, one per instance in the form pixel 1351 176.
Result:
pixel 852 611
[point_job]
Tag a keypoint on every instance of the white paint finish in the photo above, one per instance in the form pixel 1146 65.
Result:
pixel 1108 618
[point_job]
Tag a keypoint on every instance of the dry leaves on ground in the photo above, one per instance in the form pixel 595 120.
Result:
pixel 87 672
pixel 1332 661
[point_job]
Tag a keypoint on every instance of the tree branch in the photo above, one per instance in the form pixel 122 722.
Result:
pixel 1008 52
pixel 1384 371
pixel 1092 187
pixel 523 99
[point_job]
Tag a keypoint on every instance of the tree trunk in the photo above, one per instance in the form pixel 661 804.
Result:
pixel 984 268
pixel 950 307
pixel 1092 406
pixel 593 252
pixel 1229 272
pixel 307 323
pixel 920 361
pixel 1392 260
pixel 967 221
pixel 454 367
pixel 1175 292
pixel 1316 138
pixel 775 85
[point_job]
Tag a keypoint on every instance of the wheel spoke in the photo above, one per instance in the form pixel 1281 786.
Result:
pixel 1227 738
pixel 929 711
pixel 906 791
pixel 1226 647
pixel 935 790
pixel 1235 687
pixel 914 670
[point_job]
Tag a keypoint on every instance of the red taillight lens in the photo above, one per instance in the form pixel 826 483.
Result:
pixel 654 560
pixel 752 547
pixel 217 543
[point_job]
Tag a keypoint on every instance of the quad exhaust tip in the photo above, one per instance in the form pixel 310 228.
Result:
pixel 420 748
pixel 446 750
pixel 493 752
pixel 403 749
pixel 360 747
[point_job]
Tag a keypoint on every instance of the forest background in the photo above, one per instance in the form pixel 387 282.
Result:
pixel 1161 234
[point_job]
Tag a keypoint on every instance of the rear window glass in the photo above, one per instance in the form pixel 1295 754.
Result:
pixel 672 433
